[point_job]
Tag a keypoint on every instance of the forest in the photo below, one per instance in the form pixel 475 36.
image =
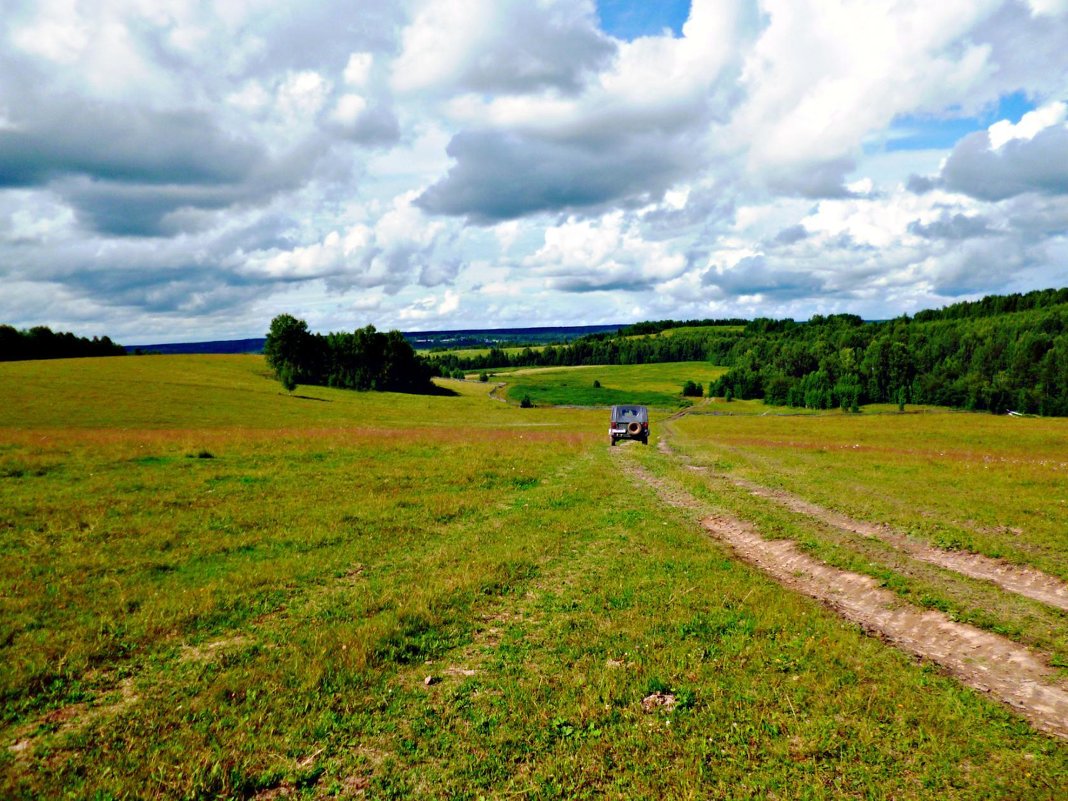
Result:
pixel 1000 353
pixel 41 342
pixel 365 359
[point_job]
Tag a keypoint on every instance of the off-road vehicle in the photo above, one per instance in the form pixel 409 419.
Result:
pixel 629 422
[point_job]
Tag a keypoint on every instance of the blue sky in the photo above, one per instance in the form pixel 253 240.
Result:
pixel 627 19
pixel 926 132
pixel 187 171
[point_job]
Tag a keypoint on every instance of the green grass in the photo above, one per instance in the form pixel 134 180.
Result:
pixel 995 485
pixel 470 353
pixel 703 329
pixel 658 385
pixel 209 588
pixel 971 482
pixel 691 329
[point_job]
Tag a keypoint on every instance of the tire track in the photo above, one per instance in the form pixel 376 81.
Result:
pixel 1021 580
pixel 1014 674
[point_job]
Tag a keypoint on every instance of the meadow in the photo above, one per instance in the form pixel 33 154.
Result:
pixel 212 588
pixel 658 385
pixel 465 353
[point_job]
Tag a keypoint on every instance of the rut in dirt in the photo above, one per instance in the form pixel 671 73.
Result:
pixel 1015 675
pixel 1028 582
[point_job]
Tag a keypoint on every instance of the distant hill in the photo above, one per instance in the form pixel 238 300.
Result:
pixel 254 345
pixel 421 340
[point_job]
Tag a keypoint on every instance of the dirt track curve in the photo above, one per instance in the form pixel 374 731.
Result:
pixel 1025 581
pixel 1014 674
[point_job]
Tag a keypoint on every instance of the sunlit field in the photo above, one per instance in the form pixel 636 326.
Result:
pixel 993 484
pixel 658 385
pixel 469 353
pixel 968 483
pixel 210 587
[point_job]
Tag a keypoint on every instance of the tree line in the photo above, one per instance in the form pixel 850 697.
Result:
pixel 658 326
pixel 712 345
pixel 993 305
pixel 365 359
pixel 41 342
pixel 1007 352
pixel 998 362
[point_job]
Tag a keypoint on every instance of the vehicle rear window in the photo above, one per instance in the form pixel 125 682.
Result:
pixel 630 413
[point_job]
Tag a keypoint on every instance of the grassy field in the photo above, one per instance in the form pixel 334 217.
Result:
pixel 973 483
pixel 658 385
pixel 210 588
pixel 469 353
pixel 691 329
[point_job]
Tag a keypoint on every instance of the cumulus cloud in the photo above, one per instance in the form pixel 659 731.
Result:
pixel 504 175
pixel 603 255
pixel 414 162
pixel 1032 123
pixel 398 250
pixel 631 135
pixel 119 143
pixel 509 46
pixel 1021 164
pixel 791 235
pixel 753 275
pixel 951 226
pixel 822 76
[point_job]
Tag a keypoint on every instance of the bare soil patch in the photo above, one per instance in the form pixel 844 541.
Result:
pixel 72 718
pixel 1014 674
pixel 1026 581
pixel 209 650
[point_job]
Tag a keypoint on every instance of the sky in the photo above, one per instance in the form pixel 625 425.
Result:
pixel 183 170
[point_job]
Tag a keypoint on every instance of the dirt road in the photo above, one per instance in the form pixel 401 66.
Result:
pixel 1014 674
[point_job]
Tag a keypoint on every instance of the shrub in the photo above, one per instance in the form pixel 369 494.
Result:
pixel 526 403
pixel 596 384
pixel 692 390
pixel 483 377
pixel 288 376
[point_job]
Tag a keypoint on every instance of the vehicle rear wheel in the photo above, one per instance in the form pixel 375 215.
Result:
pixel 645 440
pixel 612 440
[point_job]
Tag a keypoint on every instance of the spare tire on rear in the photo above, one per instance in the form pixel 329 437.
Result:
pixel 634 429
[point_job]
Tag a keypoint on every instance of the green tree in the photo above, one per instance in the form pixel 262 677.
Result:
pixel 287 347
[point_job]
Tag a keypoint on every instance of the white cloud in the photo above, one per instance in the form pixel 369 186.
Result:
pixel 822 76
pixel 186 165
pixel 498 45
pixel 606 254
pixel 302 94
pixel 1050 8
pixel 1030 124
pixel 358 69
pixel 348 109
